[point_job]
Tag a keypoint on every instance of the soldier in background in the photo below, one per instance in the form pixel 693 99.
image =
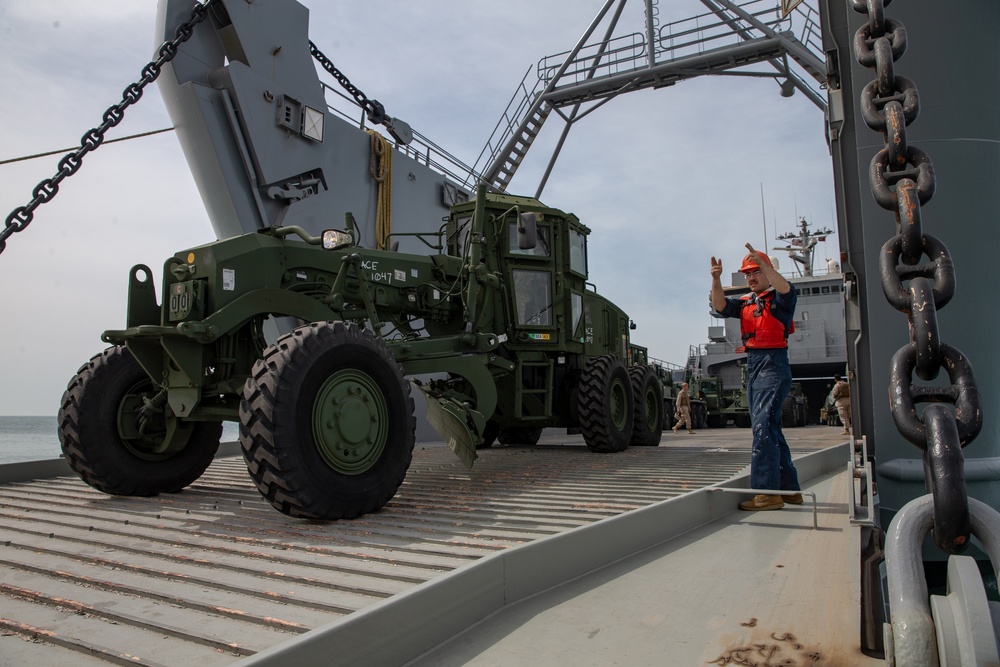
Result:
pixel 842 398
pixel 682 411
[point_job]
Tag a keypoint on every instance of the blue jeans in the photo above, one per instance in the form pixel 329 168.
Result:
pixel 769 379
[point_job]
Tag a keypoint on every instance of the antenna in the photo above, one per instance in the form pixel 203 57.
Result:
pixel 763 214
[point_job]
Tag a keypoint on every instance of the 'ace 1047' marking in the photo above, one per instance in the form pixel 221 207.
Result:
pixel 383 276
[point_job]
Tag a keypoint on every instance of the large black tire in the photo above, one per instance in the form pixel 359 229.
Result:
pixel 647 396
pixel 605 405
pixel 326 422
pixel 742 421
pixel 100 437
pixel 698 414
pixel 787 413
pixel 716 421
pixel 519 435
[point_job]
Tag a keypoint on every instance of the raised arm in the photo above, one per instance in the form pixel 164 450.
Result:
pixel 778 282
pixel 717 295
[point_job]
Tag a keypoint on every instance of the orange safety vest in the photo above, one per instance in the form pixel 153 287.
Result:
pixel 759 327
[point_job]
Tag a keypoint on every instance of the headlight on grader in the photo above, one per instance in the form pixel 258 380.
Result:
pixel 334 239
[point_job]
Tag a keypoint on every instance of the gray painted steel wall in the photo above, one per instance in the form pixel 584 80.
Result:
pixel 226 110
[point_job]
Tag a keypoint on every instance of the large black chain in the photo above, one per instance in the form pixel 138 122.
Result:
pixel 902 180
pixel 21 216
pixel 373 108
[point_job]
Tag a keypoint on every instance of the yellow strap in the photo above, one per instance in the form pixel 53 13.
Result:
pixel 380 168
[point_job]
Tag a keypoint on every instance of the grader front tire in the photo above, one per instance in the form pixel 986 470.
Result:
pixel 101 436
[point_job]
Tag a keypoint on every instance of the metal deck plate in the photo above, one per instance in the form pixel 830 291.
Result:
pixel 213 574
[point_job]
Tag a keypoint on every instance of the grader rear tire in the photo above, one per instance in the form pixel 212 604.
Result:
pixel 326 423
pixel 490 434
pixel 100 435
pixel 605 405
pixel 647 395
pixel 519 435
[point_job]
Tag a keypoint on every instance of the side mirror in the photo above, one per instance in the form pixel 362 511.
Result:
pixel 527 231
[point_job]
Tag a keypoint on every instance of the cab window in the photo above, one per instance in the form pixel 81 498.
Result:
pixel 577 314
pixel 542 249
pixel 461 234
pixel 533 297
pixel 578 252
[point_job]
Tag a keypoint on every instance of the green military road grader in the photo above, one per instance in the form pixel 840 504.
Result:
pixel 496 325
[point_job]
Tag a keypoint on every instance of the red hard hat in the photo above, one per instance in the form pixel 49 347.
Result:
pixel 750 264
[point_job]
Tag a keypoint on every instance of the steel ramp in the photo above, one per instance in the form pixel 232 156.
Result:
pixel 683 580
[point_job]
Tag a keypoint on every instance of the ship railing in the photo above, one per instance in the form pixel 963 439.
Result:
pixel 686 37
pixel 421 149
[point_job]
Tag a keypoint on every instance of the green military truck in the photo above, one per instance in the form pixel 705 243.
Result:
pixel 497 325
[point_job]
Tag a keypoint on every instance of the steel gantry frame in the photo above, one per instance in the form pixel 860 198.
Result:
pixel 727 40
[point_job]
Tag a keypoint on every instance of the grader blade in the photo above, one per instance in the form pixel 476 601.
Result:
pixel 450 420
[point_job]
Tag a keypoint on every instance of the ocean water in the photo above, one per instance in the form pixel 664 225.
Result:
pixel 35 438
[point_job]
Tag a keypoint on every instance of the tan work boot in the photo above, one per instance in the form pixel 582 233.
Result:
pixel 762 501
pixel 845 433
pixel 794 499
pixel 690 431
pixel 674 429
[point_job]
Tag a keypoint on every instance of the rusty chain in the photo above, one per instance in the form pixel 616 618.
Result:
pixel 373 108
pixel 902 180
pixel 43 193
pixel 22 216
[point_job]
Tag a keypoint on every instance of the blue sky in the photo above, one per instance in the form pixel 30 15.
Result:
pixel 665 178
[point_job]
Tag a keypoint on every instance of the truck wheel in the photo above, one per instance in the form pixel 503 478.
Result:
pixel 519 435
pixel 787 413
pixel 489 435
pixel 326 422
pixel 605 405
pixel 742 421
pixel 102 440
pixel 647 397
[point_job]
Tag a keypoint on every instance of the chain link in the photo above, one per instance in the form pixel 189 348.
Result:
pixel 373 108
pixel 902 180
pixel 43 193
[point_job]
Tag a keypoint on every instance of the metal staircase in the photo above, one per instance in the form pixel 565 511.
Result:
pixel 693 369
pixel 726 40
pixel 514 133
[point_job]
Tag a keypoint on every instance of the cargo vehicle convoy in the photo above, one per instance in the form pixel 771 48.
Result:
pixel 670 376
pixel 494 321
pixel 712 404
